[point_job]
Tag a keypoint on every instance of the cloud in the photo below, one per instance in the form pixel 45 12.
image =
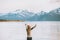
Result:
pixel 32 5
pixel 58 1
pixel 55 1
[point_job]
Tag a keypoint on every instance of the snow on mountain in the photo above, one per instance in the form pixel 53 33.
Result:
pixel 17 15
pixel 24 13
pixel 41 13
pixel 56 11
pixel 53 15
pixel 1 14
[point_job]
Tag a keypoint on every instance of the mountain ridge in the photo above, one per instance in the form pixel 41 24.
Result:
pixel 53 15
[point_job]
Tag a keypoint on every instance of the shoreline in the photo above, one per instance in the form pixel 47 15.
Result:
pixel 11 21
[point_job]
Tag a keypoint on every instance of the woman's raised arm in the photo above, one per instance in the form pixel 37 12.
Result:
pixel 33 27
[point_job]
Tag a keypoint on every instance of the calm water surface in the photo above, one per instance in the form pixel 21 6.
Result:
pixel 17 30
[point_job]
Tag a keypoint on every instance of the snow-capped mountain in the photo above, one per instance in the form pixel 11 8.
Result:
pixel 17 15
pixel 53 15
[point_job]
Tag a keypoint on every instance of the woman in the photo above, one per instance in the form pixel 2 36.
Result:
pixel 28 29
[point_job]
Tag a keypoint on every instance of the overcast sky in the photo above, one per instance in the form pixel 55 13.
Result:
pixel 31 5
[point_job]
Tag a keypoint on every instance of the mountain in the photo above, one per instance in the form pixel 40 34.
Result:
pixel 17 15
pixel 53 15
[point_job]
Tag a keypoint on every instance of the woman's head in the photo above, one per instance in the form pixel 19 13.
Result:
pixel 28 26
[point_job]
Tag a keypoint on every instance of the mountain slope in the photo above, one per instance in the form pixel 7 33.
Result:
pixel 53 15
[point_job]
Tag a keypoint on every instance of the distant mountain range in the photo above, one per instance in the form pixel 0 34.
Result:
pixel 53 15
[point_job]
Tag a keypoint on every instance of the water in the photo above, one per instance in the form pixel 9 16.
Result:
pixel 17 30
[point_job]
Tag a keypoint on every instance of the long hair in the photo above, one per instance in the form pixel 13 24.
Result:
pixel 28 27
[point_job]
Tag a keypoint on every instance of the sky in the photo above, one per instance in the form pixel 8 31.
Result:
pixel 30 5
